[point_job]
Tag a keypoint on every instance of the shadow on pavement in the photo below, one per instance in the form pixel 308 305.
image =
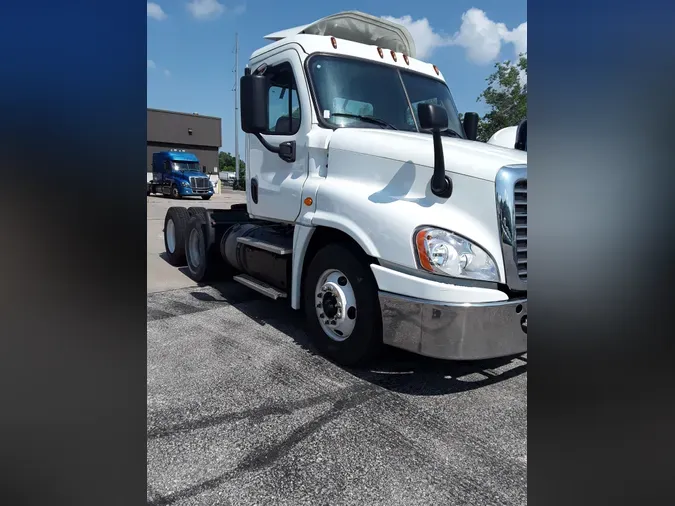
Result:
pixel 396 370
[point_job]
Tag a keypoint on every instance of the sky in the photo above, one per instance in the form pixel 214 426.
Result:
pixel 191 55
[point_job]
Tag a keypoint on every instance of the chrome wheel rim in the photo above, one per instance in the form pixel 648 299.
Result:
pixel 335 305
pixel 170 236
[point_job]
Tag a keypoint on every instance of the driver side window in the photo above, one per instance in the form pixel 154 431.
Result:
pixel 284 105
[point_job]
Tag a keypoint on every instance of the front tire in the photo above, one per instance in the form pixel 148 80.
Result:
pixel 175 194
pixel 341 305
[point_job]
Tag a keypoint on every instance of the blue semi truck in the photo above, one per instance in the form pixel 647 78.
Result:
pixel 178 174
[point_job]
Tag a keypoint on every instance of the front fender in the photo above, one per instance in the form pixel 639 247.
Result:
pixel 344 224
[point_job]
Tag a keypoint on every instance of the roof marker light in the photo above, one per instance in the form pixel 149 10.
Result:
pixel 438 72
pixel 380 52
pixel 405 58
pixel 334 42
pixel 393 55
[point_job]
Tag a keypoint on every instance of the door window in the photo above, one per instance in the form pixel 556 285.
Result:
pixel 284 105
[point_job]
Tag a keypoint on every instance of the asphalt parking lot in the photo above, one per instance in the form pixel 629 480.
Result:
pixel 241 411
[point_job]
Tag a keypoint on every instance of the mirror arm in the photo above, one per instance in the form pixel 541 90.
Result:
pixel 267 145
pixel 441 185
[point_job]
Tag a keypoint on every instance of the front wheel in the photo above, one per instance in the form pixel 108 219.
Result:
pixel 174 192
pixel 342 307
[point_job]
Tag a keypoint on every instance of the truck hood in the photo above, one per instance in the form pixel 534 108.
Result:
pixel 192 173
pixel 471 158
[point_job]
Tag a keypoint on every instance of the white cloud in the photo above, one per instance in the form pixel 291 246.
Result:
pixel 211 9
pixel 518 37
pixel 205 9
pixel 151 64
pixel 155 11
pixel 167 73
pixel 426 39
pixel 481 37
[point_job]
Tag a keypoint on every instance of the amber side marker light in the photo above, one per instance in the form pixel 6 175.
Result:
pixel 405 58
pixel 422 251
pixel 308 201
pixel 334 42
pixel 438 72
pixel 393 55
pixel 380 52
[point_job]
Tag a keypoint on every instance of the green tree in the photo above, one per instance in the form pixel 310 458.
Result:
pixel 226 162
pixel 506 96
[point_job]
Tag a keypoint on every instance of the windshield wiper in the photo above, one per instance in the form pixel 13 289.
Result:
pixel 367 119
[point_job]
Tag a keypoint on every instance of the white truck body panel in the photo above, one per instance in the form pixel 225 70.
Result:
pixel 311 44
pixel 506 137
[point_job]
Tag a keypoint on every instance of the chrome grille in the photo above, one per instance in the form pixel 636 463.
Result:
pixel 199 183
pixel 511 193
pixel 520 200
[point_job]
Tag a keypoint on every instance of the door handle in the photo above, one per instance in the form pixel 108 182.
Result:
pixel 254 190
pixel 287 151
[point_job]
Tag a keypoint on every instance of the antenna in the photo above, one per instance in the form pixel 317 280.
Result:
pixel 235 186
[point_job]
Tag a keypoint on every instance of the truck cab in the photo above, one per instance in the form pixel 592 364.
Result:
pixel 370 205
pixel 178 174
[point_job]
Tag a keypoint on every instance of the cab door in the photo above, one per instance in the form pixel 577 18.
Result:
pixel 275 185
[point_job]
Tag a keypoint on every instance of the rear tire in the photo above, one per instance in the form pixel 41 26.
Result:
pixel 175 224
pixel 339 277
pixel 202 212
pixel 201 255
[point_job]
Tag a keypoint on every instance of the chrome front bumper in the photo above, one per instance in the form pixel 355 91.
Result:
pixel 455 331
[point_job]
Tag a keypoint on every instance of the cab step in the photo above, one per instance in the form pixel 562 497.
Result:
pixel 259 286
pixel 267 246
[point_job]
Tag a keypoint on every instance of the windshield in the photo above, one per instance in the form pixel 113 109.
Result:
pixel 346 88
pixel 186 166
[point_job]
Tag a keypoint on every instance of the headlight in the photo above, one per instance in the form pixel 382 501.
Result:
pixel 443 252
pixel 185 183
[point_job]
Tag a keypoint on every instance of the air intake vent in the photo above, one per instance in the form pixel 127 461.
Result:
pixel 511 193
pixel 520 199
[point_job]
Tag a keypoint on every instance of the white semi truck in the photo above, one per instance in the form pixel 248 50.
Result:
pixel 369 205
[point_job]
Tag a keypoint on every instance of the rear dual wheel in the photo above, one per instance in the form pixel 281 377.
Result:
pixel 202 249
pixel 175 224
